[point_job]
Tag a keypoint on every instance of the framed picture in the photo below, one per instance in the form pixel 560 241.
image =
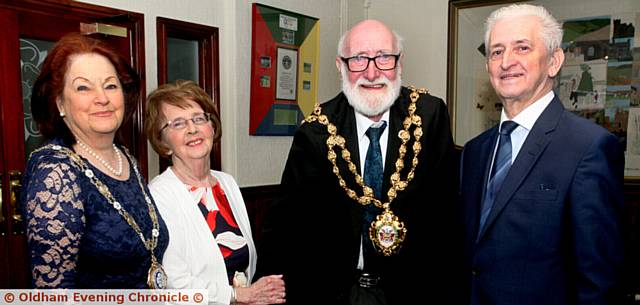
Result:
pixel 286 77
pixel 285 47
pixel 600 78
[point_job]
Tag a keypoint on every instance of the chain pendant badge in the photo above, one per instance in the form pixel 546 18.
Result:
pixel 387 232
pixel 156 278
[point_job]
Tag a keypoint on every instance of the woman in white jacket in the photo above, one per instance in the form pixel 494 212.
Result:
pixel 210 244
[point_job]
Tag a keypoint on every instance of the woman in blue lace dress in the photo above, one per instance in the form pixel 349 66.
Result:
pixel 91 222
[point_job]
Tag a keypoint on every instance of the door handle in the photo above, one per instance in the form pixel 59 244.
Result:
pixel 15 186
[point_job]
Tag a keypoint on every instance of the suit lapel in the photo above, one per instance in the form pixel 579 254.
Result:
pixel 397 113
pixel 481 160
pixel 345 121
pixel 350 133
pixel 532 148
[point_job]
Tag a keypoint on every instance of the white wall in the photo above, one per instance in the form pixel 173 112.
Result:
pixel 204 12
pixel 423 25
pixel 251 160
pixel 259 160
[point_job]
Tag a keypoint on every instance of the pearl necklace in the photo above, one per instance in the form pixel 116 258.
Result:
pixel 103 161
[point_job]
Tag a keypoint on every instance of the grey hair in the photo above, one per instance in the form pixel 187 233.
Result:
pixel 399 46
pixel 551 29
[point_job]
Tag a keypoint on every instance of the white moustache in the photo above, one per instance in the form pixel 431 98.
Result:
pixel 382 80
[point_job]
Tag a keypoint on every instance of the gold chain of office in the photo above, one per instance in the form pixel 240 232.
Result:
pixel 387 232
pixel 156 276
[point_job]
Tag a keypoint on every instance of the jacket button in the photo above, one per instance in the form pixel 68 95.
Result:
pixel 474 271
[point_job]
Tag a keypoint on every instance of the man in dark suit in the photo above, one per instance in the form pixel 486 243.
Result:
pixel 326 234
pixel 542 191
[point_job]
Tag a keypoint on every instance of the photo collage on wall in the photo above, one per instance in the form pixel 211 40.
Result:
pixel 600 78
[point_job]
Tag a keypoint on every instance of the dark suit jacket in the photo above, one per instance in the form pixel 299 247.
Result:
pixel 553 235
pixel 312 234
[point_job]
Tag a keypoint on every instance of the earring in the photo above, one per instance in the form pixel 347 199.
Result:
pixel 62 114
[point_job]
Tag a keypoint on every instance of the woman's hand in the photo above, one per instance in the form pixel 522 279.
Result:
pixel 267 290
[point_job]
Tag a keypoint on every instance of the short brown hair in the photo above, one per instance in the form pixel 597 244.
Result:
pixel 176 94
pixel 50 82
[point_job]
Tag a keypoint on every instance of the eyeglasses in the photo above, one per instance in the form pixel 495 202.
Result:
pixel 181 123
pixel 360 63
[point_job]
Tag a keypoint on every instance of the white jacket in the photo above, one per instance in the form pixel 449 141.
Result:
pixel 193 259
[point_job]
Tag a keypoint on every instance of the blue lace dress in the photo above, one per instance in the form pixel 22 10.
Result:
pixel 76 239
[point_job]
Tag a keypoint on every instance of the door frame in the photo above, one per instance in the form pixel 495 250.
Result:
pixel 13 254
pixel 208 66
pixel 80 11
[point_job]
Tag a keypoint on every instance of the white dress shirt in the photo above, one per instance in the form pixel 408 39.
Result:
pixel 525 119
pixel 362 125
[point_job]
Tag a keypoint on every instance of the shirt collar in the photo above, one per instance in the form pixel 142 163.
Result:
pixel 363 123
pixel 529 115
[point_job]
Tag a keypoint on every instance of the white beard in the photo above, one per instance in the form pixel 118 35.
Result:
pixel 371 104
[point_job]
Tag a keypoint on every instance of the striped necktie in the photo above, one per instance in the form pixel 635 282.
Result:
pixel 501 165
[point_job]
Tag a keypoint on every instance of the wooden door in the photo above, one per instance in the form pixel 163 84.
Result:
pixel 30 29
pixel 206 73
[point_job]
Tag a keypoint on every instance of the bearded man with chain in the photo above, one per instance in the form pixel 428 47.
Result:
pixel 359 214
